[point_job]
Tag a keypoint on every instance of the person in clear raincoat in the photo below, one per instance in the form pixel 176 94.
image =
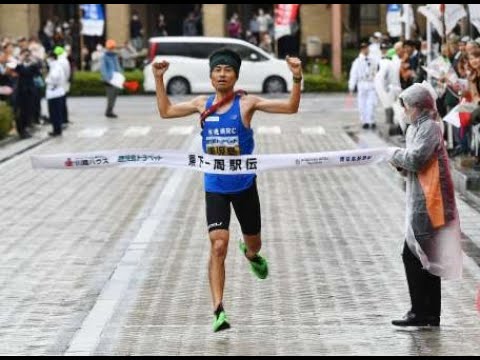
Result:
pixel 432 247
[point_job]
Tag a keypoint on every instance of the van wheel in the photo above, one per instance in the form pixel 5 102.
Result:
pixel 178 86
pixel 274 84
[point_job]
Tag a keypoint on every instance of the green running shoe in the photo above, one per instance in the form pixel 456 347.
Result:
pixel 221 322
pixel 258 264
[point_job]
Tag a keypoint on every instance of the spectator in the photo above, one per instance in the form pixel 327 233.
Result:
pixel 62 59
pixel 6 85
pixel 253 27
pixel 252 39
pixel 25 92
pixel 190 25
pixel 262 20
pixel 37 49
pixel 161 26
pixel 86 60
pixel 266 43
pixel 136 31
pixel 387 82
pixel 110 65
pixel 97 57
pixel 235 27
pixel 128 54
pixel 55 93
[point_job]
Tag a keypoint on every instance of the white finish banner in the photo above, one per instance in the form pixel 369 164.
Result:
pixel 227 165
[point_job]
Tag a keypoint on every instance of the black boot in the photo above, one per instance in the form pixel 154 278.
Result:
pixel 425 293
pixel 411 319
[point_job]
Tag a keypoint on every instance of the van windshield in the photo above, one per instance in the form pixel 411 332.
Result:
pixel 202 50
pixel 195 50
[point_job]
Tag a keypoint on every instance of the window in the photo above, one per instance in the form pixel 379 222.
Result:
pixel 195 50
pixel 203 50
pixel 171 49
pixel 370 14
pixel 247 54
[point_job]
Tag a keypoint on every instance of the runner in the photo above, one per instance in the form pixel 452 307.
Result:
pixel 226 130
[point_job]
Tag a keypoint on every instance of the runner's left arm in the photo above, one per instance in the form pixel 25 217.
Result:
pixel 290 105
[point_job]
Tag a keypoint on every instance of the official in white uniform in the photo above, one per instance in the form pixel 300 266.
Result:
pixel 387 82
pixel 362 76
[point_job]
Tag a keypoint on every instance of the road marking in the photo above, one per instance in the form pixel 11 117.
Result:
pixel 317 130
pixel 180 130
pixel 92 132
pixel 135 131
pixel 88 336
pixel 271 130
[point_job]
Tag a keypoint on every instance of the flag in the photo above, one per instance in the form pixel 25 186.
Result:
pixel 460 115
pixel 407 15
pixel 453 14
pixel 285 17
pixel 394 20
pixel 93 19
pixel 474 11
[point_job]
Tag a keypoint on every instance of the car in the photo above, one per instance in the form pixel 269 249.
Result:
pixel 189 70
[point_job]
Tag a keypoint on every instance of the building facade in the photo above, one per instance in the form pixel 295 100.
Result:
pixel 321 24
pixel 358 21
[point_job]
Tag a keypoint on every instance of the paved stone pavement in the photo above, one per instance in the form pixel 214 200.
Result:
pixel 114 262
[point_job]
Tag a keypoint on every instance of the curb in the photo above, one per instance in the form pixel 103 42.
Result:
pixel 12 140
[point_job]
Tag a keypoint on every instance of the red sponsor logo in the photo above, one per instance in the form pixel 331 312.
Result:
pixel 69 163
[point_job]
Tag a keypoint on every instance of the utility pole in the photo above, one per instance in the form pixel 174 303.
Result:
pixel 337 40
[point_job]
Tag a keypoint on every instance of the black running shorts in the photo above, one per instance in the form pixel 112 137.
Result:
pixel 246 205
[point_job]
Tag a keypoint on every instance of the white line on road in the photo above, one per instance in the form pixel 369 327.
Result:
pixel 180 130
pixel 275 130
pixel 88 336
pixel 317 130
pixel 135 131
pixel 92 132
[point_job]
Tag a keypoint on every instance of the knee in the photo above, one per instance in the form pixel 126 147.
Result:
pixel 219 248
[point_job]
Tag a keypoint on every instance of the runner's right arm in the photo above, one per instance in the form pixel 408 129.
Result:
pixel 165 107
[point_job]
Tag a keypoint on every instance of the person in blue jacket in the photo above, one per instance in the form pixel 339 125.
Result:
pixel 109 64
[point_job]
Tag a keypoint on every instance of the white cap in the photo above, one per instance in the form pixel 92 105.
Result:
pixel 377 34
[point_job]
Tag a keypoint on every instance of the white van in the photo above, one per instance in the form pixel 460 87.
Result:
pixel 189 71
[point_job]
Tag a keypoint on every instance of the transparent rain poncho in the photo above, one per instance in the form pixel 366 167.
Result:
pixel 432 223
